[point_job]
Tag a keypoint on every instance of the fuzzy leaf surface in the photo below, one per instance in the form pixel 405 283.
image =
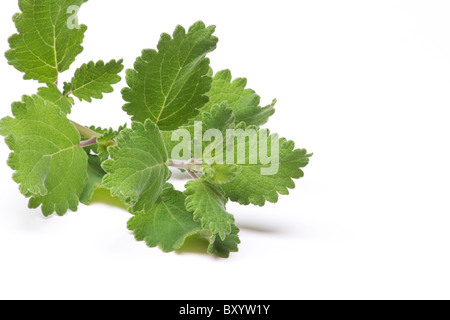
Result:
pixel 220 117
pixel 169 86
pixel 52 94
pixel 223 247
pixel 45 46
pixel 137 170
pixel 92 80
pixel 167 224
pixel 95 175
pixel 49 164
pixel 250 185
pixel 244 102
pixel 207 203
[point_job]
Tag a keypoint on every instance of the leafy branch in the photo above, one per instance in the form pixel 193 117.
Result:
pixel 59 163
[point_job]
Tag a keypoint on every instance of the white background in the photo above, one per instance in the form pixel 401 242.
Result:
pixel 365 85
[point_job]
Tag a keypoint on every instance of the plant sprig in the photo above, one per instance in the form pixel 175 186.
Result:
pixel 59 163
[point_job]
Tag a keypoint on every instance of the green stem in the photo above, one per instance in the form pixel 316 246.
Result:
pixel 190 166
pixel 88 143
pixel 192 174
pixel 86 132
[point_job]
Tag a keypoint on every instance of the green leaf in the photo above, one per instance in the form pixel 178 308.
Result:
pixel 221 173
pixel 167 224
pixel 137 171
pixel 167 138
pixel 250 185
pixel 103 142
pixel 52 94
pixel 92 80
pixel 108 134
pixel 220 117
pixel 168 86
pixel 49 165
pixel 207 203
pixel 222 248
pixel 44 45
pixel 244 102
pixel 95 175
